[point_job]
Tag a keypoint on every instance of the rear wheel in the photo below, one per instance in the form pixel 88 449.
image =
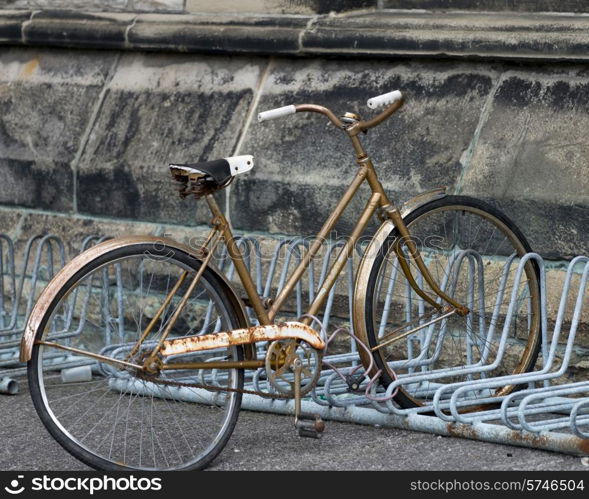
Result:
pixel 110 416
pixel 472 251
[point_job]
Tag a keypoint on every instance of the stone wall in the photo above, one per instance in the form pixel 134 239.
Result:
pixel 91 133
pixel 497 107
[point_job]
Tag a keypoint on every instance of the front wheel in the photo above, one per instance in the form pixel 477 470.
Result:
pixel 472 251
pixel 110 416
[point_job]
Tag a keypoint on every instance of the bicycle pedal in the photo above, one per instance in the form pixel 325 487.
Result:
pixel 354 382
pixel 310 426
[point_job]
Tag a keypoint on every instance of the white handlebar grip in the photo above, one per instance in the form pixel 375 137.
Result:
pixel 279 112
pixel 384 99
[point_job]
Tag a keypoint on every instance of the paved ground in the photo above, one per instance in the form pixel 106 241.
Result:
pixel 269 442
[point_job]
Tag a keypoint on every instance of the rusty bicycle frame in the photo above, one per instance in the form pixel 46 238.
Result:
pixel 265 309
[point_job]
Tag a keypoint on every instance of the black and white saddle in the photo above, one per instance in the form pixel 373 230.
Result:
pixel 219 171
pixel 206 177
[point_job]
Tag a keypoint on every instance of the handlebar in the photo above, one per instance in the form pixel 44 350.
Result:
pixel 279 112
pixel 394 100
pixel 384 99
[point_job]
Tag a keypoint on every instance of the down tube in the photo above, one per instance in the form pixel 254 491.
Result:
pixel 342 257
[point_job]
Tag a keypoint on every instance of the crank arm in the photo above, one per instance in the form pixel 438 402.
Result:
pixel 307 425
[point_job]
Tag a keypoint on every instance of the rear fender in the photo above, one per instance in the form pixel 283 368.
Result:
pixel 49 294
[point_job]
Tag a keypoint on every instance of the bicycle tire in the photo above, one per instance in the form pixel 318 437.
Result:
pixel 176 431
pixel 429 226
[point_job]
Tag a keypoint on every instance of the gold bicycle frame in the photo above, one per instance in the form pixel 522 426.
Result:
pixel 266 310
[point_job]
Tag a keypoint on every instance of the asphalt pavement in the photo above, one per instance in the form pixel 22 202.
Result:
pixel 269 442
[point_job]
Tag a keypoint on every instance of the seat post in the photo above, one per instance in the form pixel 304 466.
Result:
pixel 237 258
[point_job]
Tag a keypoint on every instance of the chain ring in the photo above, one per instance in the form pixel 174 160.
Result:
pixel 282 353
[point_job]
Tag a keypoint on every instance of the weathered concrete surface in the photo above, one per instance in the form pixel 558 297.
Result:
pixel 11 23
pixel 490 5
pixel 260 6
pixel 540 173
pixel 300 6
pixel 97 5
pixel 278 6
pixel 496 35
pixel 67 28
pixel 156 5
pixel 44 98
pixel 228 33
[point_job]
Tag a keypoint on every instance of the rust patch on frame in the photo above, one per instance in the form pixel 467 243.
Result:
pixel 272 332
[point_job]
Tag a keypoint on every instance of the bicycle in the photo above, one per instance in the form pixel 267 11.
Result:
pixel 164 339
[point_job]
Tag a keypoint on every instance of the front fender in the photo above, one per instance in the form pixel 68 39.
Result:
pixel 368 258
pixel 48 295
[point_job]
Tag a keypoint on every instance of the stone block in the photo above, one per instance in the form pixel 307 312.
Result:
pixel 531 156
pixel 495 35
pixel 486 5
pixel 157 5
pixel 278 6
pixel 10 25
pixel 44 102
pixel 220 33
pixel 162 109
pixel 71 28
pixel 366 32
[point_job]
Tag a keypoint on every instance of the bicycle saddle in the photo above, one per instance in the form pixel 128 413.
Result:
pixel 219 170
pixel 206 177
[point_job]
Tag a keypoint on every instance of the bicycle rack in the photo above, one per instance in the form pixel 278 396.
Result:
pixel 43 256
pixel 541 415
pixel 548 417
